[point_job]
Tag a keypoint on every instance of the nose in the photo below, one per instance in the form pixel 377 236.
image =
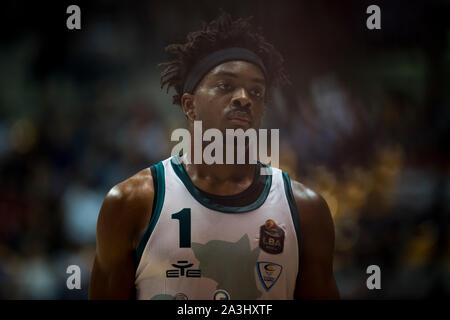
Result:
pixel 241 98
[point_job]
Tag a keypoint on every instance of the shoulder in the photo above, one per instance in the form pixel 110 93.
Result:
pixel 132 192
pixel 308 199
pixel 313 211
pixel 127 207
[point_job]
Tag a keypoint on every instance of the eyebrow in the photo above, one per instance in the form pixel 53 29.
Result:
pixel 233 75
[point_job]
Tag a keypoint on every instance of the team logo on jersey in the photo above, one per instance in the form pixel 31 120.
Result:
pixel 268 273
pixel 180 296
pixel 271 237
pixel 182 271
pixel 221 295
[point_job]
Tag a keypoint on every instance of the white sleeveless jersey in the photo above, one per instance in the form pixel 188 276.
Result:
pixel 197 249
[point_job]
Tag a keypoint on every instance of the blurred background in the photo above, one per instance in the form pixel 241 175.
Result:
pixel 364 123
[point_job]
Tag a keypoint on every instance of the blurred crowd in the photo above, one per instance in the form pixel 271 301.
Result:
pixel 369 137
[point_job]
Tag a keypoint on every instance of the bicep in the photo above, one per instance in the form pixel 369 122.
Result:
pixel 113 271
pixel 316 279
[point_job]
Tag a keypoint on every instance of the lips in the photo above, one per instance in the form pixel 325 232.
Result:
pixel 239 117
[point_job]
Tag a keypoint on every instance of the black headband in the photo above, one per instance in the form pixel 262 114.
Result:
pixel 205 64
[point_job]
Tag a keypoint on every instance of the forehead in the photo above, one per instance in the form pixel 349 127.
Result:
pixel 238 69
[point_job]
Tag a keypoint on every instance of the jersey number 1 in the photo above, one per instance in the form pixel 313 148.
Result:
pixel 184 218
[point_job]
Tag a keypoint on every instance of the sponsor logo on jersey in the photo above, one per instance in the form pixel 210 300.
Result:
pixel 268 273
pixel 183 270
pixel 271 237
pixel 180 296
pixel 221 295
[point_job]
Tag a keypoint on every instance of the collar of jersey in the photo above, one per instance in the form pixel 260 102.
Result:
pixel 210 203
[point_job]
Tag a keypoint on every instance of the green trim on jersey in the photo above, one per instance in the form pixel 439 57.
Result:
pixel 194 191
pixel 159 192
pixel 294 212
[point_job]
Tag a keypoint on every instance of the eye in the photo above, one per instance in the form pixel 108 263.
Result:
pixel 257 93
pixel 225 86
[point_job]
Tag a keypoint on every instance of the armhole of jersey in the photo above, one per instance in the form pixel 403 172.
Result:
pixel 294 213
pixel 158 200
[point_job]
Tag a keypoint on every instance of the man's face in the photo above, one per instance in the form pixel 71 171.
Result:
pixel 230 96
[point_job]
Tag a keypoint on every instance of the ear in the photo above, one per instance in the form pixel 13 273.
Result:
pixel 187 104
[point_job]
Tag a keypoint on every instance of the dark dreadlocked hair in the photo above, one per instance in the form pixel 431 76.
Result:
pixel 220 33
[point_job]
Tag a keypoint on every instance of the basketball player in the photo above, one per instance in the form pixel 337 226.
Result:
pixel 179 230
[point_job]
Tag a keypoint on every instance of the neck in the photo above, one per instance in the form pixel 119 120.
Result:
pixel 220 179
pixel 221 172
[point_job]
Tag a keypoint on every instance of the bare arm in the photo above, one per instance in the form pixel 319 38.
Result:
pixel 121 223
pixel 316 279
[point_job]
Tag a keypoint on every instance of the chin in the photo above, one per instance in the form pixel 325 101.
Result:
pixel 239 126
